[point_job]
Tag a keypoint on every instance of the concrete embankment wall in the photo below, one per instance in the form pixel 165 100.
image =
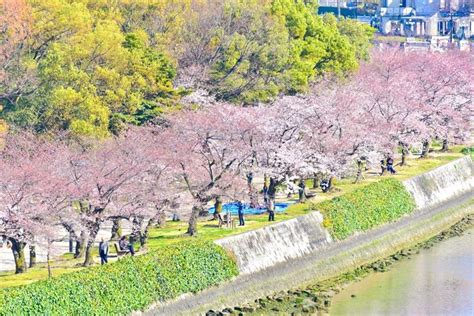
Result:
pixel 259 249
pixel 442 184
pixel 293 254
pixel 262 248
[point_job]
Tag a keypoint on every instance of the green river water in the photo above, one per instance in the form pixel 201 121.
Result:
pixel 437 281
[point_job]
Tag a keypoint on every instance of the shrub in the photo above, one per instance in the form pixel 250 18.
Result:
pixel 365 208
pixel 467 151
pixel 122 287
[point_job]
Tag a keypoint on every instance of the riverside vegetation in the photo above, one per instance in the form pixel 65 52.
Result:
pixel 173 232
pixel 130 284
pixel 365 208
pixel 188 266
pixel 317 298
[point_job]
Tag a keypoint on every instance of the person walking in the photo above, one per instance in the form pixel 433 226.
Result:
pixel 240 208
pixel 103 251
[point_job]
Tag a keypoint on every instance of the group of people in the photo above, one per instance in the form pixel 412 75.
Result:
pixel 123 244
pixel 325 185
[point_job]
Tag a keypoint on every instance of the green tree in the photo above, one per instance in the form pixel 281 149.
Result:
pixel 92 75
pixel 360 36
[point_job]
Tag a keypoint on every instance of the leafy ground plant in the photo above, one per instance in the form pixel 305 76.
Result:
pixel 365 208
pixel 127 285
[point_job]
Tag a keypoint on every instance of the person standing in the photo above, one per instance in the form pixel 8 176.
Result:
pixel 271 210
pixel 240 208
pixel 103 251
pixel 302 191
pixel 265 193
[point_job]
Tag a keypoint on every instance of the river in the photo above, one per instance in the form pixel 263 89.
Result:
pixel 437 281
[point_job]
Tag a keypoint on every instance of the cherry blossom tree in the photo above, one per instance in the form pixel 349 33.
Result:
pixel 33 195
pixel 417 97
pixel 104 174
pixel 208 148
pixel 445 88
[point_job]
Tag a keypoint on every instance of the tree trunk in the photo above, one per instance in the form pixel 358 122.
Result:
pixel 81 245
pixel 302 191
pixel 425 149
pixel 445 145
pixel 331 183
pixel 266 180
pixel 218 207
pixel 136 229
pixel 272 187
pixel 146 233
pixel 360 166
pixel 160 219
pixel 316 180
pixel 48 260
pixel 71 243
pixel 359 174
pixel 252 194
pixel 116 229
pixel 193 219
pixel 32 256
pixel 89 260
pixel 18 250
pixel 405 153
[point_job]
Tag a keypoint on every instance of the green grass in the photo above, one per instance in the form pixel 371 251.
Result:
pixel 10 279
pixel 209 231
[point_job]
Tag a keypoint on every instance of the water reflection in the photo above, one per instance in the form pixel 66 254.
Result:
pixel 438 281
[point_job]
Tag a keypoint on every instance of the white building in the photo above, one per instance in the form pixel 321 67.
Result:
pixel 333 3
pixel 427 17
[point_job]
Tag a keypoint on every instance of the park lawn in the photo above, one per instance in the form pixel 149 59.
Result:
pixel 40 272
pixel 208 230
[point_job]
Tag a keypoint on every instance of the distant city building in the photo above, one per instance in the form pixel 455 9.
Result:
pixel 435 44
pixel 361 10
pixel 454 18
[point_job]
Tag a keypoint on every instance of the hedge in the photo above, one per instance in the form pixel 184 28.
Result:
pixel 132 283
pixel 365 208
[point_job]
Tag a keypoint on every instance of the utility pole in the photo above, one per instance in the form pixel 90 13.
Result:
pixel 452 26
pixel 338 9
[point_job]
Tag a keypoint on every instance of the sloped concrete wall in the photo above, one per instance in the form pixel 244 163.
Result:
pixel 296 238
pixel 442 184
pixel 300 251
pixel 262 248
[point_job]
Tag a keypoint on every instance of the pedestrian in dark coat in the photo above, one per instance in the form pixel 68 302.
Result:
pixel 103 251
pixel 240 207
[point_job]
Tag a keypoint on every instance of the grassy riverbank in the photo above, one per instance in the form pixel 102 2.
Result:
pixel 317 297
pixel 208 230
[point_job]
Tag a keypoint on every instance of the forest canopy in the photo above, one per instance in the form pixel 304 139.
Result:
pixel 89 66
